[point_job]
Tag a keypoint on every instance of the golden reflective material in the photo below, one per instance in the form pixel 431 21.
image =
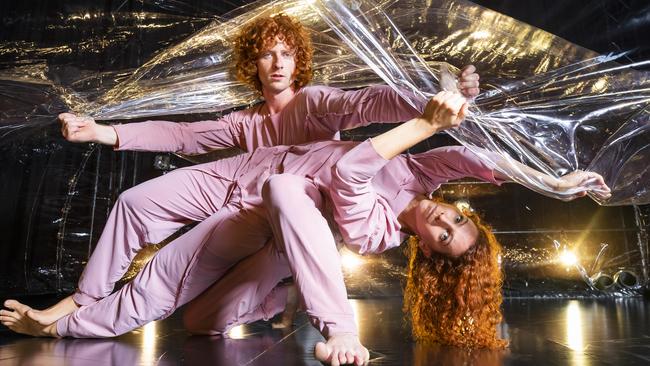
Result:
pixel 141 259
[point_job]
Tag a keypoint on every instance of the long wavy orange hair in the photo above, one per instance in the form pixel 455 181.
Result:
pixel 260 35
pixel 456 301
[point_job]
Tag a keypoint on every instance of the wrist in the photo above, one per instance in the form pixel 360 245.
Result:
pixel 105 134
pixel 425 127
pixel 555 183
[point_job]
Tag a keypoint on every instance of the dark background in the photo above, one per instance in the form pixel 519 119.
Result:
pixel 52 216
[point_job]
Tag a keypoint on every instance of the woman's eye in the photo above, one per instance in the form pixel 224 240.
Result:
pixel 266 55
pixel 444 236
pixel 459 219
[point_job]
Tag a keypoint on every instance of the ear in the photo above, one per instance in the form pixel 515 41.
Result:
pixel 425 248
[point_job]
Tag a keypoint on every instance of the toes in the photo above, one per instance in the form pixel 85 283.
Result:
pixel 358 360
pixel 15 305
pixel 10 314
pixel 321 352
pixel 7 319
pixel 335 359
pixel 342 358
pixel 349 357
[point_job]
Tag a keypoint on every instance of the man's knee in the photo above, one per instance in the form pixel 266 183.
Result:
pixel 131 198
pixel 283 191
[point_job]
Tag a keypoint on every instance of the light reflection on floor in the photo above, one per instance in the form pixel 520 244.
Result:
pixel 541 332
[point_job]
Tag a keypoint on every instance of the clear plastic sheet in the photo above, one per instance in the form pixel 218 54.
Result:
pixel 545 102
pixel 561 117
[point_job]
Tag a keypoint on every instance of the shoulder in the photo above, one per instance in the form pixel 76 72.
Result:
pixel 317 92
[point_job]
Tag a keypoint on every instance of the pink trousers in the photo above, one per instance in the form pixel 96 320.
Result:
pixel 230 253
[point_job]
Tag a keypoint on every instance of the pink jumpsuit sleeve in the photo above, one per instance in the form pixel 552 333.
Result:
pixel 181 137
pixel 365 219
pixel 335 109
pixel 447 163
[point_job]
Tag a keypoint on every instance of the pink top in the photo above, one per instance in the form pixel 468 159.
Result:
pixel 366 192
pixel 315 113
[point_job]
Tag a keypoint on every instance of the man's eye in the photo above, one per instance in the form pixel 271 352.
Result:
pixel 444 236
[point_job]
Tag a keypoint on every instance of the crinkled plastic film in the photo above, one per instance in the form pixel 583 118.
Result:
pixel 567 113
pixel 544 102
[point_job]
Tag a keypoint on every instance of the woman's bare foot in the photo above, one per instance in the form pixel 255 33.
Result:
pixel 54 313
pixel 342 349
pixel 19 321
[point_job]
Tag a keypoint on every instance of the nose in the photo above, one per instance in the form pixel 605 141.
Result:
pixel 441 215
pixel 277 62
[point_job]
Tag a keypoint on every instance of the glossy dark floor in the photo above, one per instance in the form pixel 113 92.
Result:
pixel 541 332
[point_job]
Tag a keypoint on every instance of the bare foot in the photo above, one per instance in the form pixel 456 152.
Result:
pixel 19 321
pixel 342 349
pixel 54 313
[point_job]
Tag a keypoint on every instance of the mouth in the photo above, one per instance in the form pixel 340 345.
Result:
pixel 277 76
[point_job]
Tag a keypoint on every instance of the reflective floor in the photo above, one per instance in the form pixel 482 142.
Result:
pixel 541 332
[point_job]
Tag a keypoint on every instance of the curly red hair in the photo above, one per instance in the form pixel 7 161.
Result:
pixel 260 35
pixel 456 301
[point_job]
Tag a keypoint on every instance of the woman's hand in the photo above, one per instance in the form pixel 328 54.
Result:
pixel 468 81
pixel 583 182
pixel 85 129
pixel 445 110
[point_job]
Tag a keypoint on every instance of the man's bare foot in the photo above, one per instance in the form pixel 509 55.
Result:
pixel 54 313
pixel 342 349
pixel 19 321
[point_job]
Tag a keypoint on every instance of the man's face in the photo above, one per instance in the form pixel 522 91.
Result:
pixel 275 68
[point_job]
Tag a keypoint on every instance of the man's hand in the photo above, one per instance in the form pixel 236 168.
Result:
pixel 468 81
pixel 85 129
pixel 445 110
pixel 342 349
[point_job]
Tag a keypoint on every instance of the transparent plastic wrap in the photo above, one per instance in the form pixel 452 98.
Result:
pixel 561 117
pixel 544 102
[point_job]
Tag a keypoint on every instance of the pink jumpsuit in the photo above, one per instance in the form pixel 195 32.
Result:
pixel 154 210
pixel 299 185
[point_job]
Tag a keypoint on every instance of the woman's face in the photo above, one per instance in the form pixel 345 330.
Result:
pixel 443 229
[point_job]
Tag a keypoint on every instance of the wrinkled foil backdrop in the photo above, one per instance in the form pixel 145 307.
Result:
pixel 544 102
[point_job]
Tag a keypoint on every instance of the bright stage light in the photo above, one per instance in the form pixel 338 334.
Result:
pixel 568 258
pixel 236 332
pixel 350 261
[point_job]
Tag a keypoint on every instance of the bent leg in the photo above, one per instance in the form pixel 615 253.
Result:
pixel 247 293
pixel 179 272
pixel 148 213
pixel 300 230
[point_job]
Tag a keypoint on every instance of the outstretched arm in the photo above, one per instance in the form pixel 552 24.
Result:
pixel 335 110
pixel 573 185
pixel 182 137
